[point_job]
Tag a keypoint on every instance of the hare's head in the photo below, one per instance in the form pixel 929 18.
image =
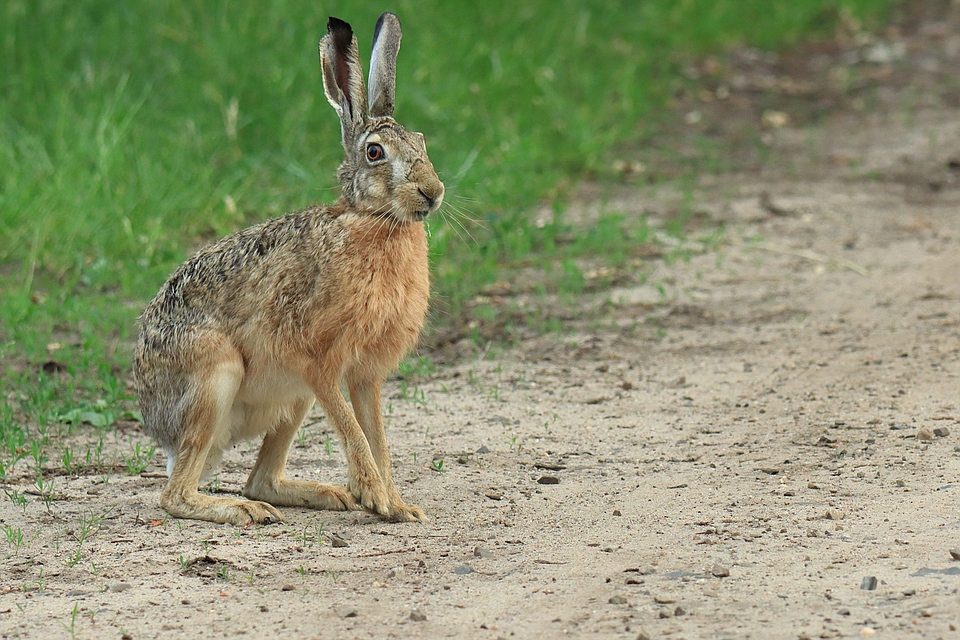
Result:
pixel 386 169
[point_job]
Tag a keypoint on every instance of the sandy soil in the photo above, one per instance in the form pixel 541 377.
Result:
pixel 759 442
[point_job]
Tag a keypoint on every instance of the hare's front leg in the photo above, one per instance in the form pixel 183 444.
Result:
pixel 205 422
pixel 364 477
pixel 365 397
pixel 266 481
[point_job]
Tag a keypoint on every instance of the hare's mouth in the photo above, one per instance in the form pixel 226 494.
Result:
pixel 419 216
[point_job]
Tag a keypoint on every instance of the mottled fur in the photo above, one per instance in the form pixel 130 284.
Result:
pixel 250 331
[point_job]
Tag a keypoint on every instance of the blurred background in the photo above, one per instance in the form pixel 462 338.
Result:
pixel 132 133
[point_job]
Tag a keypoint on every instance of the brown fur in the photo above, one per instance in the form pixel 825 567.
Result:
pixel 246 334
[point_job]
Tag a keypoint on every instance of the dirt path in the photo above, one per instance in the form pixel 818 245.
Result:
pixel 738 459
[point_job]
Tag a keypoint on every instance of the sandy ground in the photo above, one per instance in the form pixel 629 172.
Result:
pixel 759 442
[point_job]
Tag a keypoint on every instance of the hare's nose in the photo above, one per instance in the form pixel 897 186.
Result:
pixel 427 199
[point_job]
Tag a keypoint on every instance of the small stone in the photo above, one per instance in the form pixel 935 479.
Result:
pixel 869 583
pixel 548 480
pixel 666 613
pixel 481 552
pixel 463 570
pixel 664 600
pixel 288 587
pixel 941 432
pixel 812 485
pixel 494 495
pixel 910 592
pixel 835 514
pixel 719 571
pixel 900 483
pixel 955 554
pixel 618 599
pixel 867 631
pixel 337 541
pixel 76 593
pixel 349 612
pixel 396 571
pixel 418 616
pixel 120 586
pixel 926 613
pixel 643 636
pixel 483 449
pixel 679 611
pixel 264 608
pixel 925 434
pixel 616 512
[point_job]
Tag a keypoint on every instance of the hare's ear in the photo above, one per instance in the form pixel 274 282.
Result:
pixel 343 78
pixel 383 65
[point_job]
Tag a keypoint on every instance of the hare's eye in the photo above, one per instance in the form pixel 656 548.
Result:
pixel 374 152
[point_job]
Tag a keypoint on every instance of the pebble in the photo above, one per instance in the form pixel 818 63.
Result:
pixel 941 432
pixel 925 434
pixel 664 599
pixel 288 587
pixel 76 593
pixel 482 552
pixel 349 612
pixel 549 480
pixel 835 514
pixel 679 611
pixel 337 541
pixel 483 449
pixel 665 613
pixel 867 631
pixel 812 485
pixel 643 636
pixel 396 571
pixel 869 583
pixel 418 616
pixel 120 586
pixel 463 570
pixel 955 554
pixel 618 599
pixel 719 571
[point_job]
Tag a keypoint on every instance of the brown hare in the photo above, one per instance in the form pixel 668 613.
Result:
pixel 250 331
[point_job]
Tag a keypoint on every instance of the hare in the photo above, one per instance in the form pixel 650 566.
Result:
pixel 247 334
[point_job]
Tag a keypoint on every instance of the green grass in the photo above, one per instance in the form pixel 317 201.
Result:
pixel 130 133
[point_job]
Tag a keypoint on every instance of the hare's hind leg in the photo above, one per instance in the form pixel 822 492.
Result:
pixel 205 427
pixel 365 397
pixel 266 481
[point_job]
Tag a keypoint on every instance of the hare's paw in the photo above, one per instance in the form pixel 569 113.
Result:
pixel 403 512
pixel 247 512
pixel 371 493
pixel 341 499
pixel 224 510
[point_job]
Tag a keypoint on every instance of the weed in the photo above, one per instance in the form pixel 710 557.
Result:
pixel 184 563
pixel 67 459
pixel 224 574
pixel 74 560
pixel 71 628
pixel 88 526
pixel 14 537
pixel 328 444
pixel 17 498
pixel 140 459
pixel 437 465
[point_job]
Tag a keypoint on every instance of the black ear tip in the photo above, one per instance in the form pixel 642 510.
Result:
pixel 335 25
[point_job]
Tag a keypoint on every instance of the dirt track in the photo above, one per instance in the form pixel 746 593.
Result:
pixel 736 459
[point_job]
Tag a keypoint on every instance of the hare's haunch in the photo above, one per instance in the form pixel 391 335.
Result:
pixel 250 331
